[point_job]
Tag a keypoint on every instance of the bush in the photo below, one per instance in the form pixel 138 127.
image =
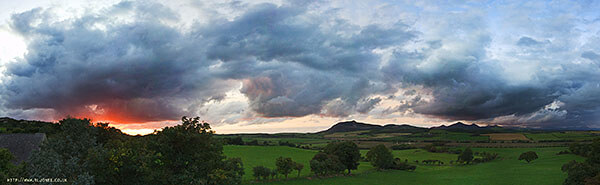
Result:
pixel 261 172
pixel 399 165
pixel 528 156
pixel 402 147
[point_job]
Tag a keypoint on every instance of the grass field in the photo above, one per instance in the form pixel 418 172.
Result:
pixel 265 155
pixel 506 136
pixel 554 136
pixel 442 135
pixel 506 170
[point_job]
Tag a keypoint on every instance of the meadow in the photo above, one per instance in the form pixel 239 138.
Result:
pixel 505 170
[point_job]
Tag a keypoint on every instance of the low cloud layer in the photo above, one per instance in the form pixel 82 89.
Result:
pixel 136 62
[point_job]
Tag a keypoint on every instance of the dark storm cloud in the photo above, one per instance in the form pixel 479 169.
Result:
pixel 132 71
pixel 139 71
pixel 292 60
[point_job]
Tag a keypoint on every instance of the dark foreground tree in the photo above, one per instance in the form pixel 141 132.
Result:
pixel 528 156
pixel 86 153
pixel 588 172
pixel 347 152
pixel 190 155
pixel 380 157
pixel 466 156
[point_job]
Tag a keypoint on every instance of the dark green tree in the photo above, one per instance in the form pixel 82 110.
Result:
pixel 188 154
pixel 261 172
pixel 326 164
pixel 284 165
pixel 380 157
pixel 298 167
pixel 528 156
pixel 466 156
pixel 347 152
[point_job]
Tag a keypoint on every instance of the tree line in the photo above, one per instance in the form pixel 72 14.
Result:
pixel 87 153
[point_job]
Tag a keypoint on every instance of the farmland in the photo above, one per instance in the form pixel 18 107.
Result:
pixel 506 136
pixel 506 170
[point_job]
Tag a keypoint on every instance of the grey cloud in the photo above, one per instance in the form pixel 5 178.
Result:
pixel 528 41
pixel 293 60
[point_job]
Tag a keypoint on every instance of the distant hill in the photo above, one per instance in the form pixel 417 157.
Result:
pixel 461 127
pixel 351 126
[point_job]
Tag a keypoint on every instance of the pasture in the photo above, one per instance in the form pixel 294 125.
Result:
pixel 506 136
pixel 505 170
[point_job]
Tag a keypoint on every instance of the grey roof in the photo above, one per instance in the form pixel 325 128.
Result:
pixel 21 145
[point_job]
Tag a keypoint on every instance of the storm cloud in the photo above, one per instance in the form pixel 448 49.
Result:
pixel 135 62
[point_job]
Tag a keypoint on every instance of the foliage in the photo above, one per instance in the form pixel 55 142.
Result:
pixel 326 164
pixel 298 167
pixel 528 156
pixel 402 147
pixel 7 169
pixel 466 156
pixel 235 141
pixel 588 171
pixel 398 164
pixel 284 165
pixel 261 172
pixel 347 152
pixel 380 157
pixel 87 153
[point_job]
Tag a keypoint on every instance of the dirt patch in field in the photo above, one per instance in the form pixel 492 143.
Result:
pixel 506 136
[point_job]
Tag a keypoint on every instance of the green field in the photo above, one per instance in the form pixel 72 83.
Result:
pixel 265 155
pixel 506 170
pixel 442 135
pixel 554 136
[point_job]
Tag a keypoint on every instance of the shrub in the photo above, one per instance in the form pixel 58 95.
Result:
pixel 528 156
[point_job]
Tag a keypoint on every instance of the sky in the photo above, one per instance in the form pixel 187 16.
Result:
pixel 302 66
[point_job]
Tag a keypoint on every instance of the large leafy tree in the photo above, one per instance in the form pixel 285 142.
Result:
pixel 65 154
pixel 380 157
pixel 347 152
pixel 190 155
pixel 326 164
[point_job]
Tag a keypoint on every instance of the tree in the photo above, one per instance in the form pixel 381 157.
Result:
pixel 326 164
pixel 7 169
pixel 466 156
pixel 65 155
pixel 190 155
pixel 380 157
pixel 261 172
pixel 237 141
pixel 298 167
pixel 528 156
pixel 347 152
pixel 284 165
pixel 578 172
